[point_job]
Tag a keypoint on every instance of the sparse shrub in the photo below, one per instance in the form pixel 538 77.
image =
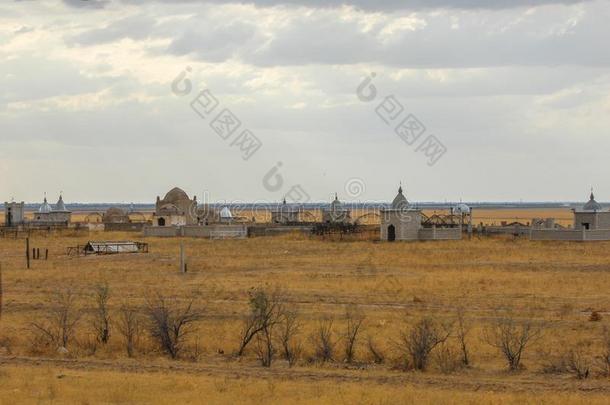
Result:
pixel 375 351
pixel 101 318
pixel 578 364
pixel 59 327
pixel 129 326
pixel 447 359
pixel 288 329
pixel 266 312
pixel 354 321
pixel 511 338
pixel 572 362
pixel 595 316
pixel 323 341
pixel 417 343
pixel 169 324
pixel 462 332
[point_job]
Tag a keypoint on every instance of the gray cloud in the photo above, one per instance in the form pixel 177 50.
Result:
pixel 87 3
pixel 386 5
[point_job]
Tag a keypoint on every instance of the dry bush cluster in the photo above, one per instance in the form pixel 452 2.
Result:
pixel 273 328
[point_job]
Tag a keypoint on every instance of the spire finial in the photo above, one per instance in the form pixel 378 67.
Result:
pixel 400 188
pixel 336 196
pixel 592 197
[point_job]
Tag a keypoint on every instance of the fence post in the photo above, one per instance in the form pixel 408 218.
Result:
pixel 27 252
pixel 182 263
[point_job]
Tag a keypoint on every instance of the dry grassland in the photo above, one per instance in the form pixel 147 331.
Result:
pixel 558 285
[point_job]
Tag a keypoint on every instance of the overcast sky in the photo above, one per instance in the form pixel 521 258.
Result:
pixel 518 92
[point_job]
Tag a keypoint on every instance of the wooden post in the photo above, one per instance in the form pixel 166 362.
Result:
pixel 182 263
pixel 27 252
pixel 46 254
pixel 37 253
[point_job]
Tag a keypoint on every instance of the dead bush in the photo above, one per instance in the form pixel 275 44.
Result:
pixel 59 327
pixel 323 341
pixel 129 326
pixel 578 364
pixel 266 312
pixel 417 343
pixel 170 323
pixel 354 320
pixel 448 359
pixel 511 337
pixel 289 328
pixel 595 316
pixel 101 317
pixel 463 328
pixel 375 351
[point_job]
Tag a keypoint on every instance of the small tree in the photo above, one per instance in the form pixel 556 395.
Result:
pixel 61 322
pixel 289 328
pixel 270 313
pixel 169 324
pixel 266 311
pixel 511 338
pixel 101 319
pixel 354 321
pixel 323 340
pixel 421 339
pixel 129 327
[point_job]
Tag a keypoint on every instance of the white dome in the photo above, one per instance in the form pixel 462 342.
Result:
pixel 461 208
pixel 225 213
pixel 45 207
pixel 60 206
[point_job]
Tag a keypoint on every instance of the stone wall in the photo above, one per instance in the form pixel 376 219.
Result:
pixel 194 231
pixel 440 234
pixel 570 235
pixel 123 227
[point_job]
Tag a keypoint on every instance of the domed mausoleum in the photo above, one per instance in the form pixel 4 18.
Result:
pixel 591 216
pixel 176 208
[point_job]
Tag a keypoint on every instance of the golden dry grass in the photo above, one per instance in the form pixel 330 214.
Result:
pixel 557 284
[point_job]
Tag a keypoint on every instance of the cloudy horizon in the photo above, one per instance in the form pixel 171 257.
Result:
pixel 97 99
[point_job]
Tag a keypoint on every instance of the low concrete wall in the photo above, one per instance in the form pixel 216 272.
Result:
pixel 269 230
pixel 506 230
pixel 194 231
pixel 124 227
pixel 215 231
pixel 161 231
pixel 440 234
pixel 570 235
